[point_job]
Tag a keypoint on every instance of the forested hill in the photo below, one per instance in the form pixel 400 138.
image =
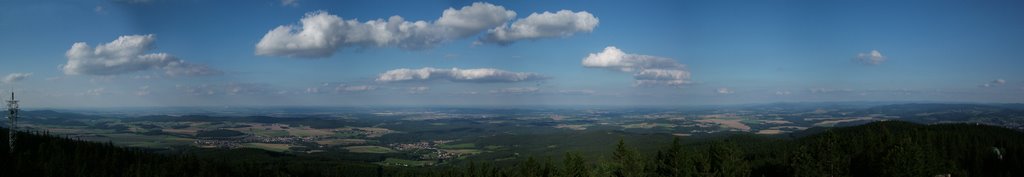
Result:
pixel 41 154
pixel 889 148
pixel 894 148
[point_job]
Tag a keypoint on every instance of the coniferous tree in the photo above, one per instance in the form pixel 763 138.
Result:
pixel 727 160
pixel 529 168
pixel 674 161
pixel 626 162
pixel 575 166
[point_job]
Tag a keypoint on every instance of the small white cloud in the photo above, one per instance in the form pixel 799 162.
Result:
pixel 563 23
pixel 871 58
pixel 142 91
pixel 782 93
pixel 96 91
pixel 15 77
pixel 354 88
pixel 144 77
pixel 417 90
pixel 292 3
pixel 724 90
pixel 480 75
pixel 98 9
pixel 312 90
pixel 127 54
pixel 994 83
pixel 577 92
pixel 647 70
pixel 662 77
pixel 134 1
pixel 829 90
pixel 516 90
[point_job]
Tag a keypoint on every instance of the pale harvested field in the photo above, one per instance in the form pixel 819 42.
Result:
pixel 369 149
pixel 732 123
pixel 193 128
pixel 788 127
pixel 776 122
pixel 648 125
pixel 830 123
pixel 572 127
pixel 333 142
pixel 770 132
pixel 681 134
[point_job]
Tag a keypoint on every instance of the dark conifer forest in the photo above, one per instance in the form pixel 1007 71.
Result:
pixel 889 148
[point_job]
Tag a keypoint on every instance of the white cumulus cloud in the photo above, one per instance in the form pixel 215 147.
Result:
pixel 320 34
pixel 647 70
pixel 871 58
pixel 480 75
pixel 127 54
pixel 15 77
pixel 563 23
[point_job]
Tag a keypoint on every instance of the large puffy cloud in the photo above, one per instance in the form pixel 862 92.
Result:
pixel 473 19
pixel 563 23
pixel 871 58
pixel 321 34
pixel 126 55
pixel 457 75
pixel 647 70
pixel 15 77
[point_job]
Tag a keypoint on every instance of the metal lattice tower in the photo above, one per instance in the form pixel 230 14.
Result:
pixel 12 116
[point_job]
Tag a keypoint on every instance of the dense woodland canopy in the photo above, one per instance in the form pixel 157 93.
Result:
pixel 889 148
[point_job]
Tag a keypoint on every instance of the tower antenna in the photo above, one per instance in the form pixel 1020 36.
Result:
pixel 12 116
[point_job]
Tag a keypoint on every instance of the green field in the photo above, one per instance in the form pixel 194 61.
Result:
pixel 146 141
pixel 406 163
pixel 334 142
pixel 270 133
pixel 369 149
pixel 458 146
pixel 269 147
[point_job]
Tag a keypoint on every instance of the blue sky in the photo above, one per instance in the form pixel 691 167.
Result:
pixel 229 53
